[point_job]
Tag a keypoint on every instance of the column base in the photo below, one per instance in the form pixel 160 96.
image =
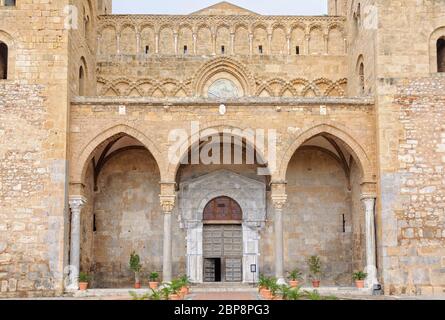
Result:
pixel 72 287
pixel 281 281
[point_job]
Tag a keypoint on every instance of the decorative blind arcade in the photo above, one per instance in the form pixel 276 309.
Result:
pixel 223 209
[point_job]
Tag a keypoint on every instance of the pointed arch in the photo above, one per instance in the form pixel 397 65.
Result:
pixel 353 147
pixel 81 161
pixel 204 133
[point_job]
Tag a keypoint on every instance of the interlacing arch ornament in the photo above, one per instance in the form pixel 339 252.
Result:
pixel 275 87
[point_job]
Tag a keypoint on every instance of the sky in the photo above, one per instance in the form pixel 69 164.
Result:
pixel 266 7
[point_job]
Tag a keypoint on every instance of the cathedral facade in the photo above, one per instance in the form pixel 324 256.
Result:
pixel 223 144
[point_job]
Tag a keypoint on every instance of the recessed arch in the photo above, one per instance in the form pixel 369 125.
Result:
pixel 437 49
pixel 203 135
pixel 350 143
pixel 7 56
pixel 84 157
pixel 223 65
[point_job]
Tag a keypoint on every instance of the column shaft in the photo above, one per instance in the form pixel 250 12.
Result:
pixel 371 266
pixel 76 204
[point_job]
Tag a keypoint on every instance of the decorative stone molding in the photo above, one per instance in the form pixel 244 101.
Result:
pixel 167 203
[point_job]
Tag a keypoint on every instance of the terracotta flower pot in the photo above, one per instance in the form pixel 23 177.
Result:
pixel 184 291
pixel 267 294
pixel 360 284
pixel 137 285
pixel 316 283
pixel 153 285
pixel 293 283
pixel 83 286
pixel 175 297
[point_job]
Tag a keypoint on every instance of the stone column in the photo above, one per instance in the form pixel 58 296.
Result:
pixel 167 198
pixel 175 37
pixel 194 44
pixel 288 39
pixel 371 266
pixel 269 44
pixel 326 44
pixel 214 44
pixel 308 42
pixel 157 43
pixel 138 43
pixel 118 44
pixel 279 198
pixel 232 43
pixel 251 43
pixel 76 203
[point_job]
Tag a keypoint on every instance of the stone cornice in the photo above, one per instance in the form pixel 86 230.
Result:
pixel 141 17
pixel 256 101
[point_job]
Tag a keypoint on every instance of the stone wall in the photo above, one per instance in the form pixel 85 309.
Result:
pixel 409 106
pixel 318 201
pixel 33 135
pixel 128 218
pixel 415 262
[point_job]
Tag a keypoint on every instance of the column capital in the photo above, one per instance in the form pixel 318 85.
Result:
pixel 77 202
pixel 279 200
pixel 167 203
pixel 368 197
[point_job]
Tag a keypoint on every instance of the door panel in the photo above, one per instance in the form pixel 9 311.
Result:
pixel 209 270
pixel 224 242
pixel 234 270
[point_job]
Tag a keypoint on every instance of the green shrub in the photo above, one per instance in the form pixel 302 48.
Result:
pixel 154 276
pixel 294 294
pixel 359 275
pixel 314 264
pixel 135 296
pixel 295 275
pixel 84 277
pixel 135 262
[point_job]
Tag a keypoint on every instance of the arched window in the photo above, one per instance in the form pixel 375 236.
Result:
pixel 3 61
pixel 361 74
pixel 441 55
pixel 81 81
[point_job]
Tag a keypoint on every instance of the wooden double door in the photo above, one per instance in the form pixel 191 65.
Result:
pixel 223 252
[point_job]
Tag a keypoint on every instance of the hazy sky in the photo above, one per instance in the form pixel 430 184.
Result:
pixel 267 7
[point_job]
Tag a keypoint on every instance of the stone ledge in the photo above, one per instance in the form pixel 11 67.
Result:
pixel 256 101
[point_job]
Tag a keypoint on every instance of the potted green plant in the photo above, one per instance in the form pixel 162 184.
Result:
pixel 135 266
pixel 274 288
pixel 359 278
pixel 84 278
pixel 314 264
pixel 154 280
pixel 269 287
pixel 294 277
pixel 155 295
pixel 175 287
pixel 294 294
pixel 262 284
pixel 185 285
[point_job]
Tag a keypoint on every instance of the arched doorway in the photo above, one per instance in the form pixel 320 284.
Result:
pixel 222 241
